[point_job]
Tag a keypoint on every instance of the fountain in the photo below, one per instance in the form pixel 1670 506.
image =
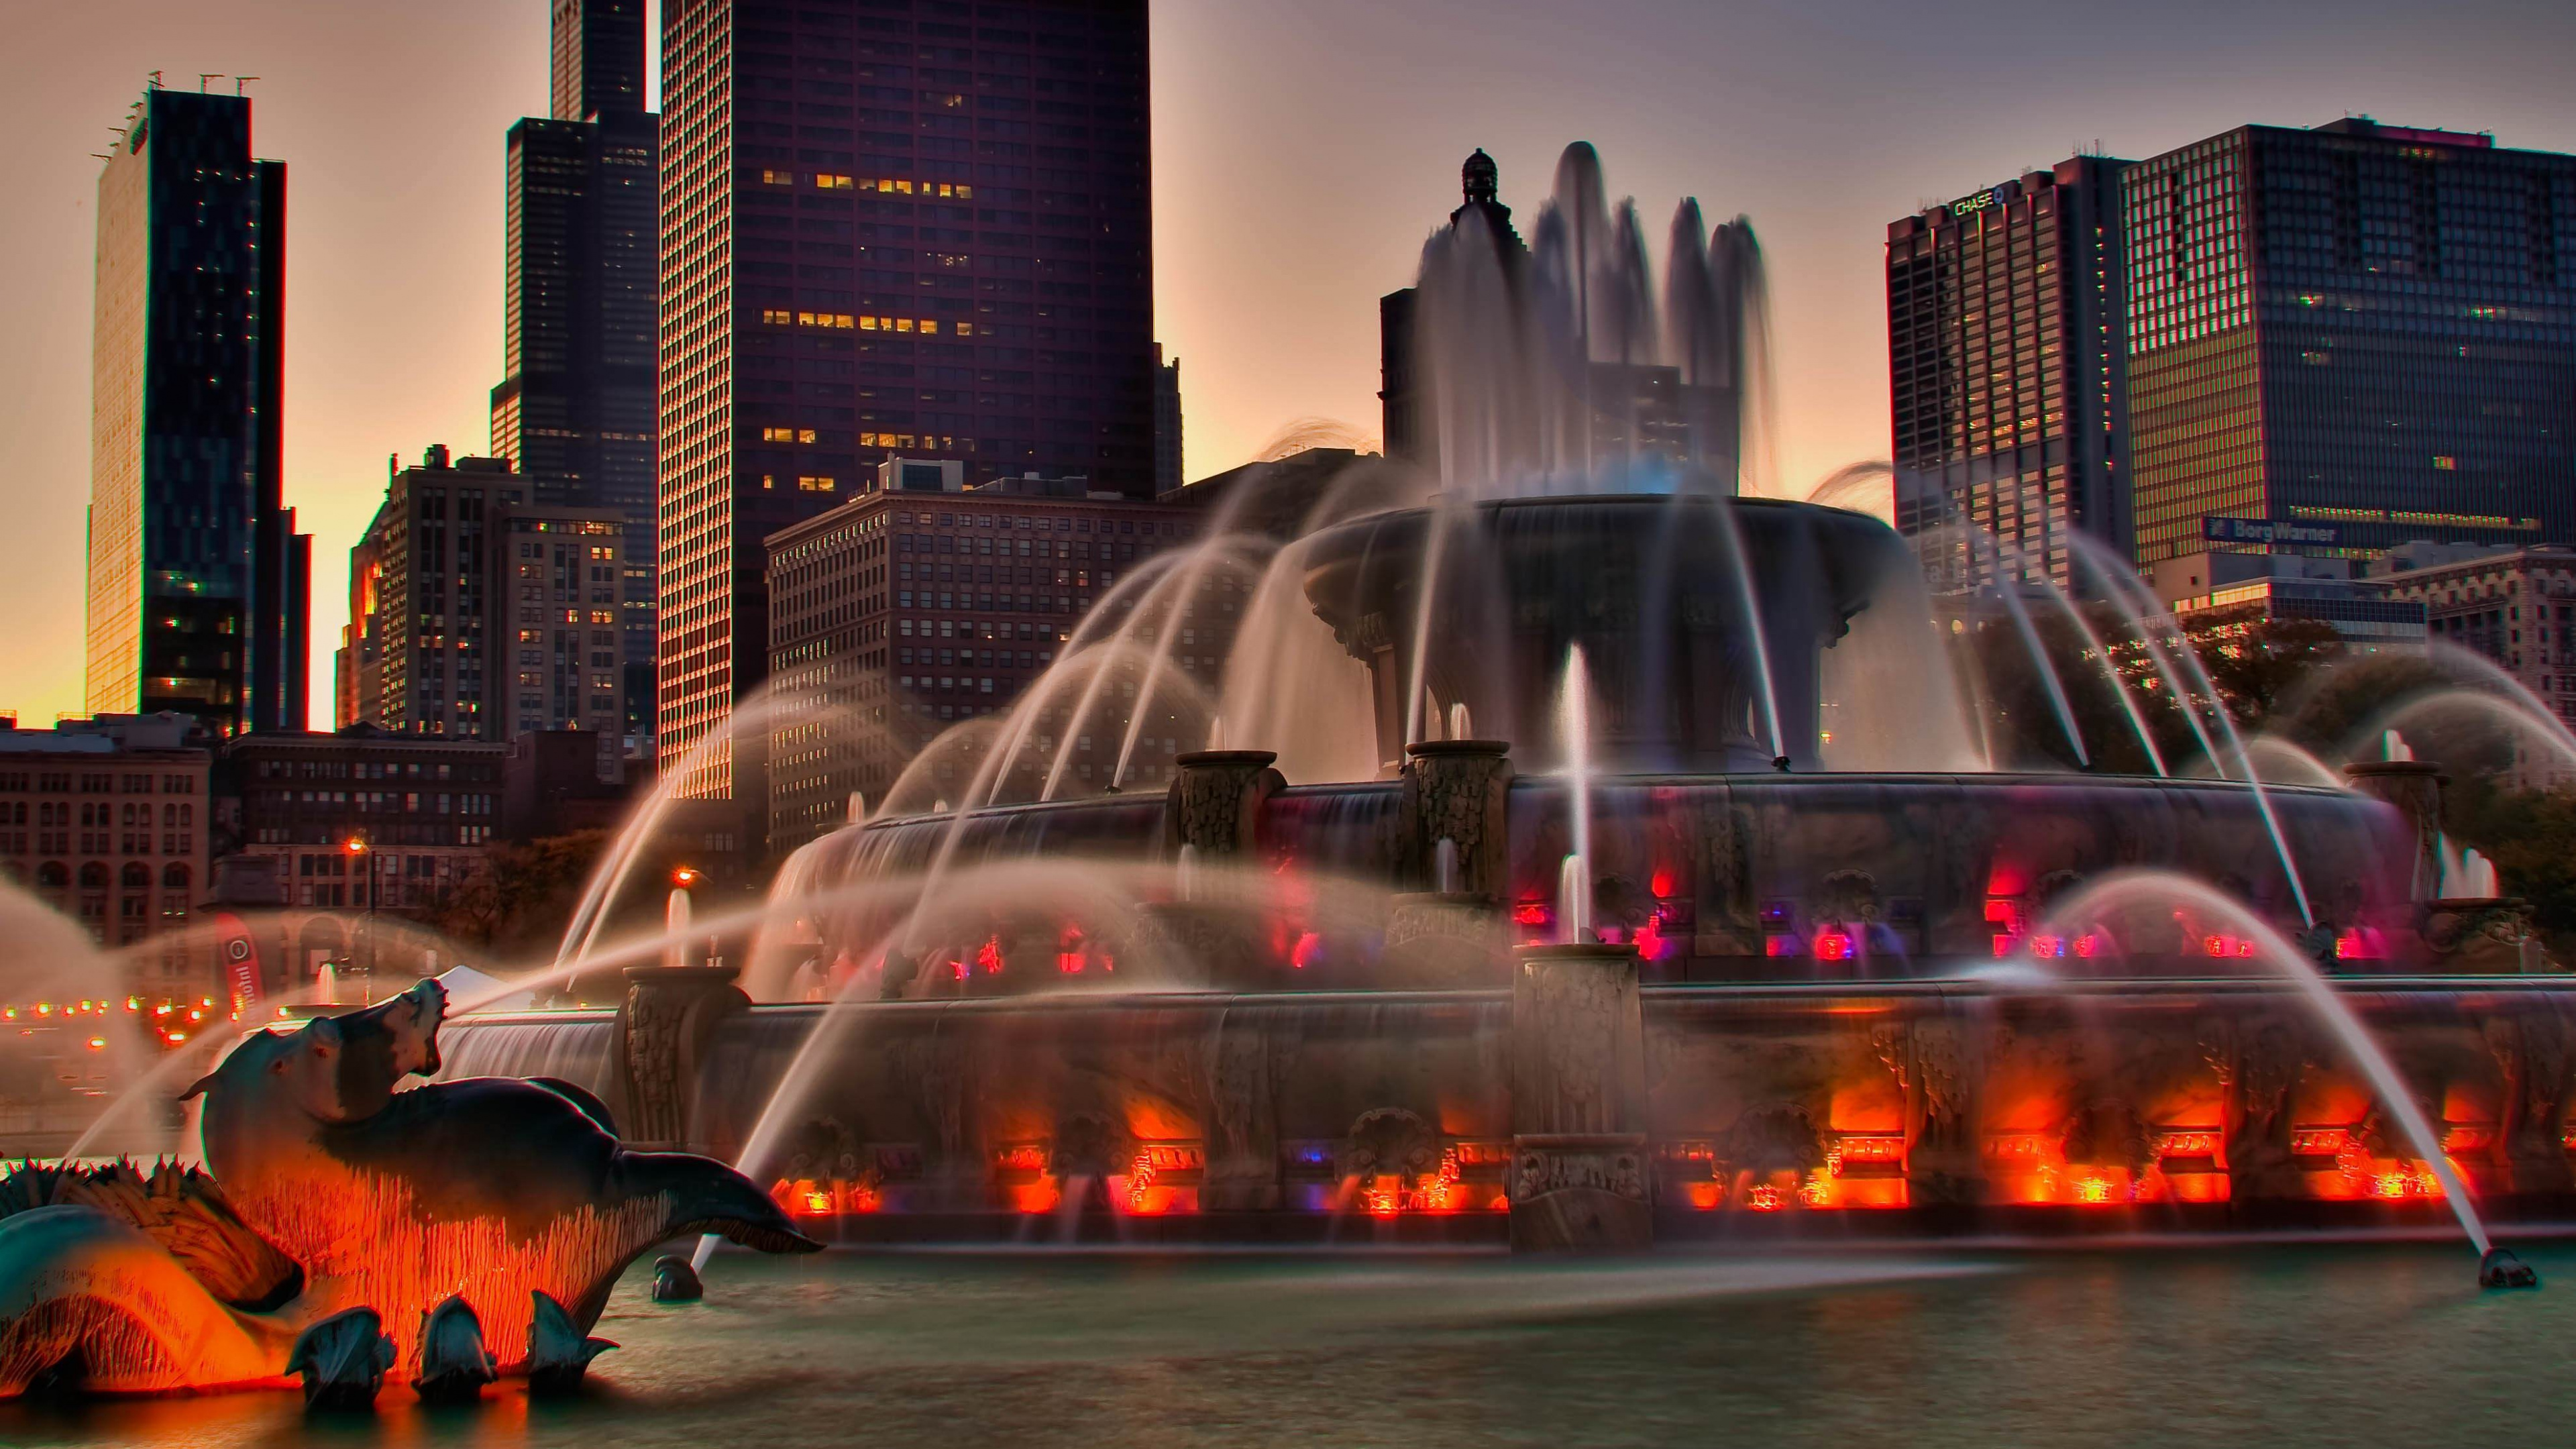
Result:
pixel 1694 933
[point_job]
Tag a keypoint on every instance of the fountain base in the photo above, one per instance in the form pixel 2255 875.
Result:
pixel 1580 1192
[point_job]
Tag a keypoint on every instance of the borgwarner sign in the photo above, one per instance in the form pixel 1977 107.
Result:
pixel 2265 530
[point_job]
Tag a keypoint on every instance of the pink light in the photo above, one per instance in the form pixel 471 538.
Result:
pixel 1833 944
pixel 1662 884
pixel 1779 945
pixel 988 957
pixel 1308 950
pixel 1650 940
pixel 2088 946
pixel 2051 947
pixel 1533 913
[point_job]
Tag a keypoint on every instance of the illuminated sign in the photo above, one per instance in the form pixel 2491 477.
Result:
pixel 2268 531
pixel 1974 201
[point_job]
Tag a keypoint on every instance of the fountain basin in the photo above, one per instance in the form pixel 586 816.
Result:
pixel 1715 878
pixel 1895 1107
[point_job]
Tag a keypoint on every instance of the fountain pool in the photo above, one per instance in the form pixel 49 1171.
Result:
pixel 1983 1344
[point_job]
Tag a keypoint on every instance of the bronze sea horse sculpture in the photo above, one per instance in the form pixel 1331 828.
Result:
pixel 327 1190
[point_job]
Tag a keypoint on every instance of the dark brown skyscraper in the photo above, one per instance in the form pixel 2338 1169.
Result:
pixel 886 229
pixel 576 408
pixel 598 58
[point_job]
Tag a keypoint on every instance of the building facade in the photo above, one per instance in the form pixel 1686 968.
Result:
pixel 576 410
pixel 106 821
pixel 2515 606
pixel 2360 329
pixel 422 809
pixel 885 231
pixel 2006 354
pixel 919 604
pixel 199 585
pixel 490 615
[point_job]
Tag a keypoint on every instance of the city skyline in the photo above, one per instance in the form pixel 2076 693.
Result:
pixel 1284 207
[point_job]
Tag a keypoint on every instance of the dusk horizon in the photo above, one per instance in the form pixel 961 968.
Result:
pixel 1280 217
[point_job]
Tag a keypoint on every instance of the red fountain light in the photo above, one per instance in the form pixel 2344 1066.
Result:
pixel 1833 943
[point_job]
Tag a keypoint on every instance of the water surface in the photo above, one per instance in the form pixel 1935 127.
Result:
pixel 2303 1344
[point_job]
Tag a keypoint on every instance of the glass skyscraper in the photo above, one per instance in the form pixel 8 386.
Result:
pixel 198 583
pixel 576 411
pixel 887 228
pixel 2005 335
pixel 2351 337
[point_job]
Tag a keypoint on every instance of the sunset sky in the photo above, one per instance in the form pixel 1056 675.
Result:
pixel 1302 152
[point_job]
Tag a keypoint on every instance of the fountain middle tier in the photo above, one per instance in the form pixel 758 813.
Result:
pixel 1720 633
pixel 1713 878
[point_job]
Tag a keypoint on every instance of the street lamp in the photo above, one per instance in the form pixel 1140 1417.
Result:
pixel 357 846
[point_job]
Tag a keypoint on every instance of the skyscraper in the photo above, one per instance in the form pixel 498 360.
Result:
pixel 198 582
pixel 884 232
pixel 576 411
pixel 2006 346
pixel 598 58
pixel 2346 338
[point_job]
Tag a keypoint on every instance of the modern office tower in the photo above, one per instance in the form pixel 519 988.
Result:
pixel 576 411
pixel 598 66
pixel 2346 338
pixel 198 582
pixel 922 602
pixel 2006 343
pixel 885 231
pixel 494 615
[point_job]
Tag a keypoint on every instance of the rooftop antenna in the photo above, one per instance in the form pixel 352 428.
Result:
pixel 204 76
pixel 242 80
pixel 156 80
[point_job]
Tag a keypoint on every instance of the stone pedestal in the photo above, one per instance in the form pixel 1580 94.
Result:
pixel 1578 1101
pixel 1213 812
pixel 1214 805
pixel 1456 790
pixel 2414 788
pixel 2482 938
pixel 664 1032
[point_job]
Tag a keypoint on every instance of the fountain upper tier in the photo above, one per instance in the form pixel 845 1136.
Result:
pixel 1478 603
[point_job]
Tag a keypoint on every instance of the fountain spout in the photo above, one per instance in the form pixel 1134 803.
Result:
pixel 675 922
pixel 2499 1268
